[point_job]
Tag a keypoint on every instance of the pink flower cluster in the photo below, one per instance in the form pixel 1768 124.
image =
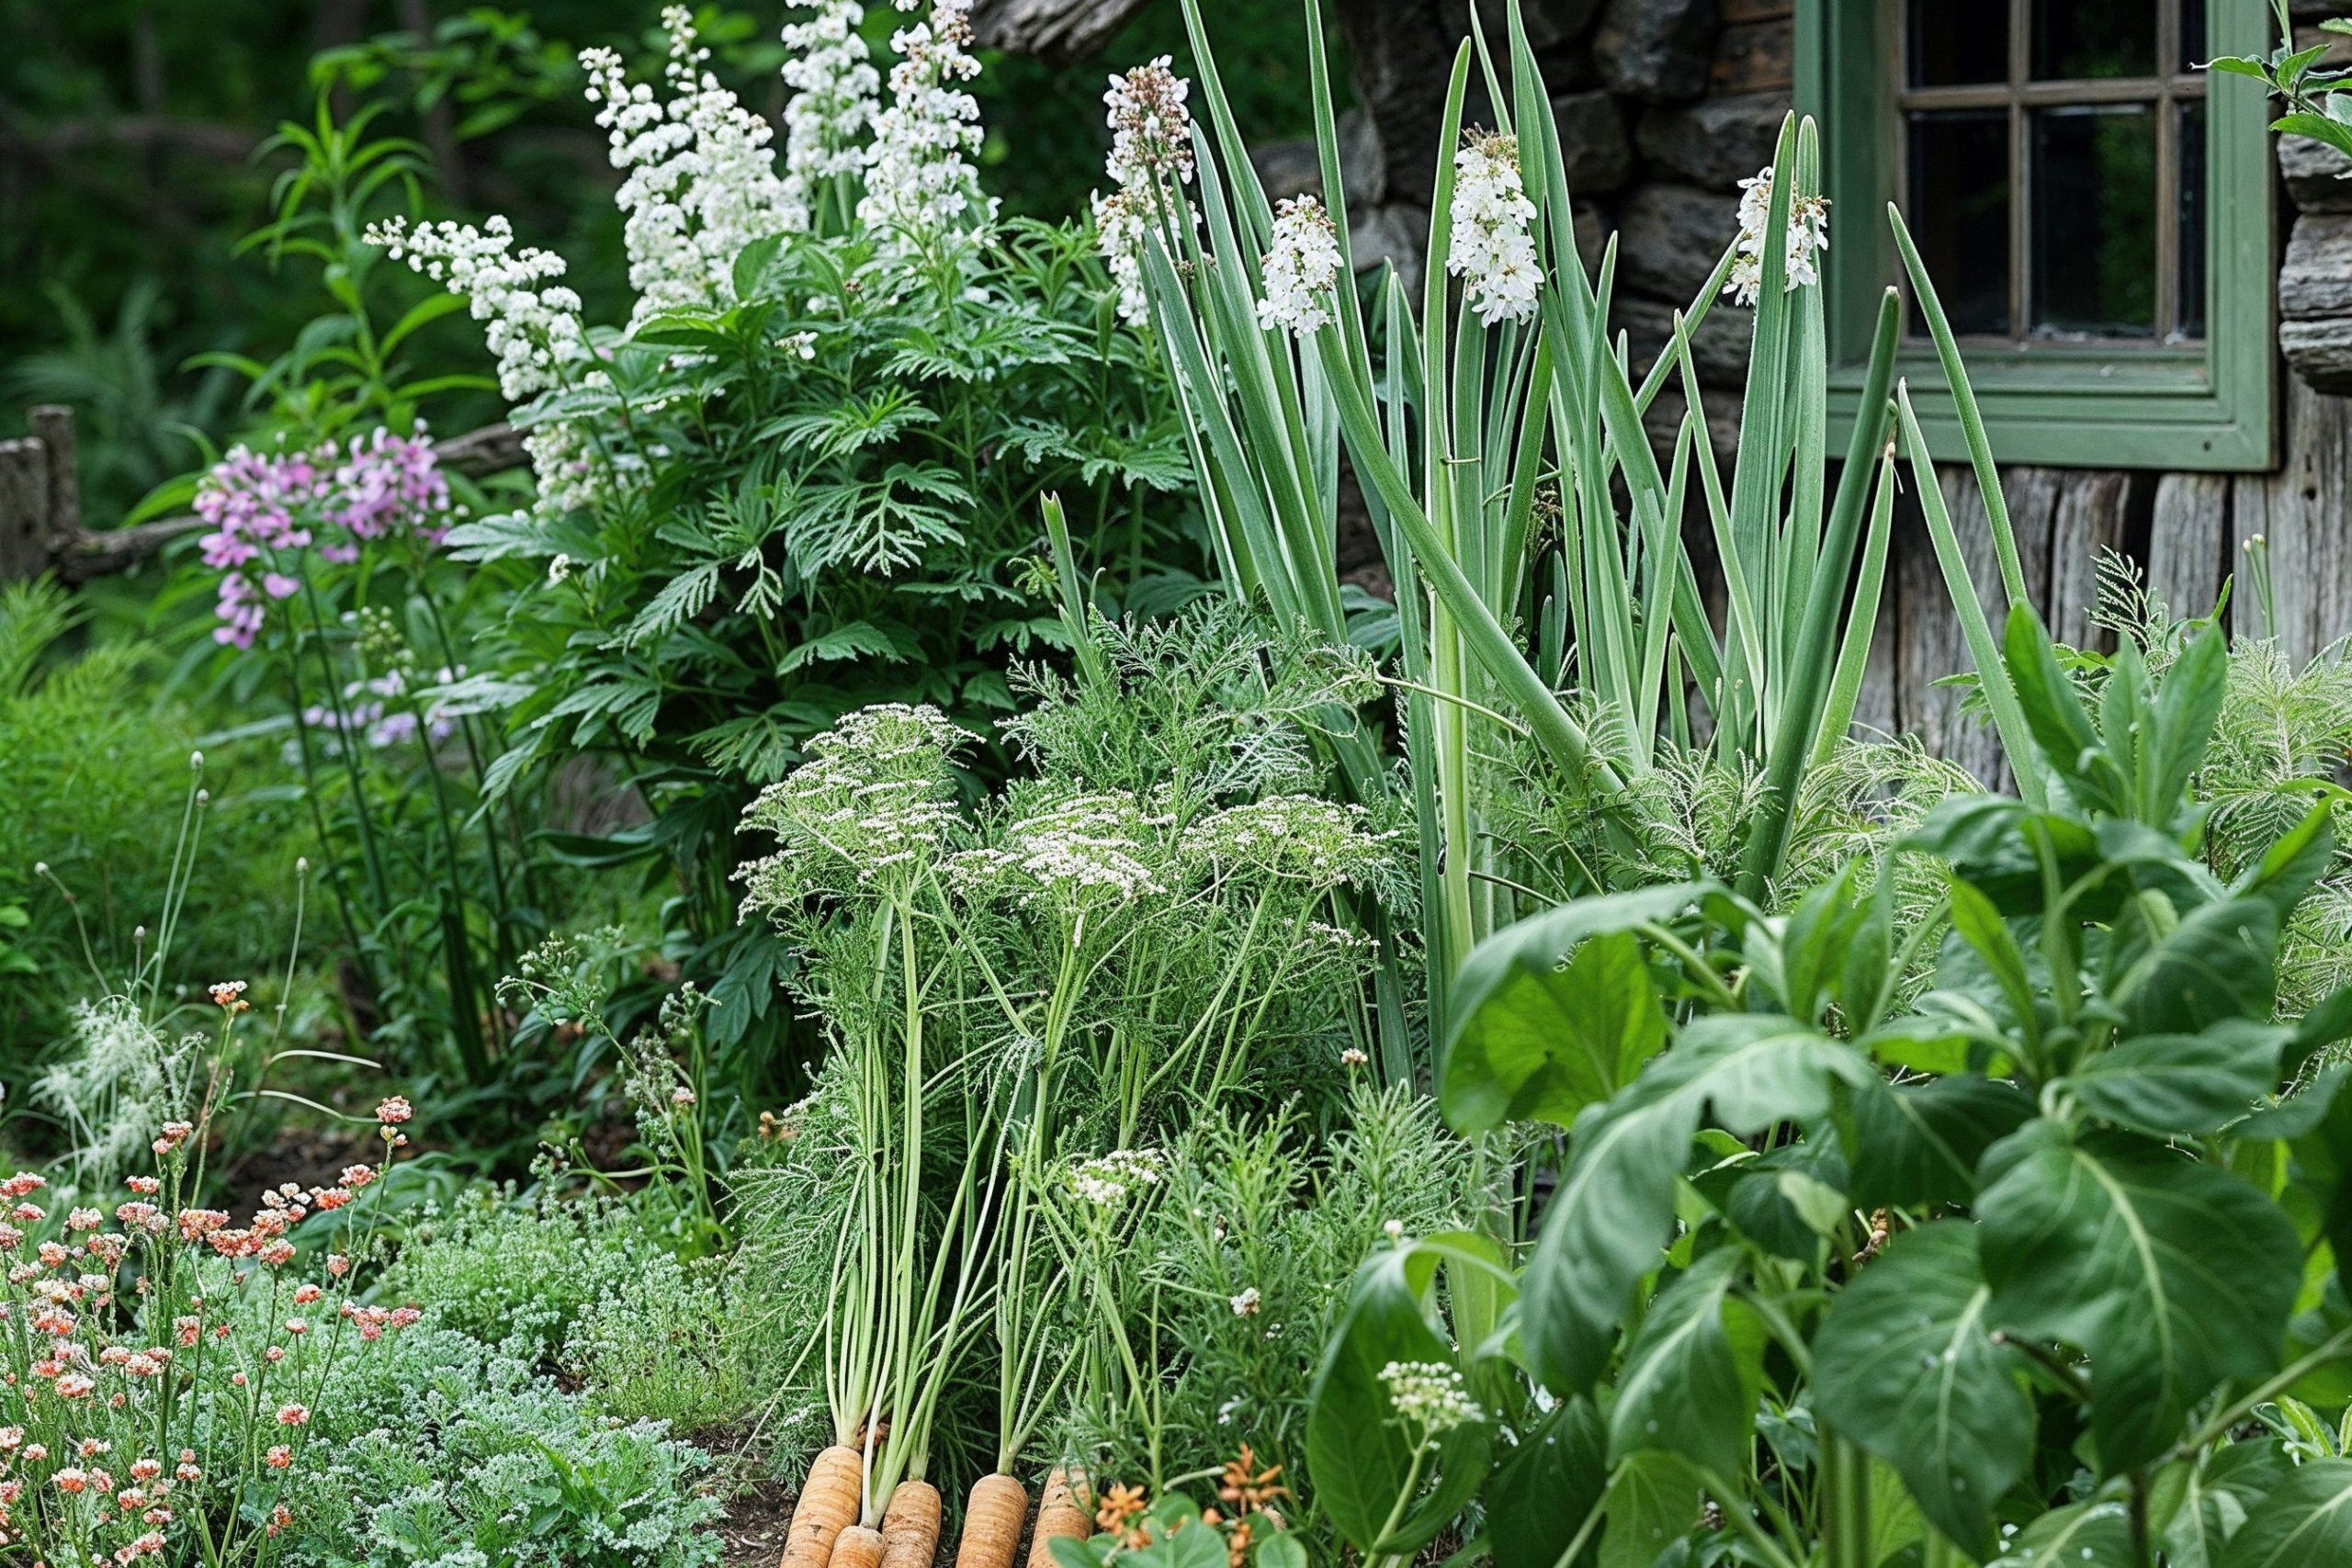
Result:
pixel 265 510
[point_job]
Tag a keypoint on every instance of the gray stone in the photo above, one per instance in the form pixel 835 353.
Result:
pixel 1669 238
pixel 1294 167
pixel 1059 30
pixel 2315 302
pixel 1658 49
pixel 2316 279
pixel 1715 142
pixel 1397 234
pixel 2319 178
pixel 1550 23
pixel 1288 169
pixel 1718 349
pixel 1594 150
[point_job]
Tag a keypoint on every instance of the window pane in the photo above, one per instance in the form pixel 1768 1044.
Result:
pixel 2192 33
pixel 2074 38
pixel 1959 213
pixel 1951 45
pixel 2190 312
pixel 2094 220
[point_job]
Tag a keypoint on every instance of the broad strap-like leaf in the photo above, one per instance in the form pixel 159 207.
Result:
pixel 2305 1522
pixel 1523 1041
pixel 1613 1209
pixel 1689 1381
pixel 2171 1085
pixel 1906 1366
pixel 2169 1274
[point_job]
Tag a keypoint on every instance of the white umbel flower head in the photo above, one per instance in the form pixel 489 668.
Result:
pixel 1105 1182
pixel 1430 1396
pixel 1302 269
pixel 1808 237
pixel 835 92
pixel 919 179
pixel 1492 249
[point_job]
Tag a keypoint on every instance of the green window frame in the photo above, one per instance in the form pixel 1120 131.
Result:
pixel 2207 406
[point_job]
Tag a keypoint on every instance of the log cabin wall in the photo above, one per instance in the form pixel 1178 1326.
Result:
pixel 1665 105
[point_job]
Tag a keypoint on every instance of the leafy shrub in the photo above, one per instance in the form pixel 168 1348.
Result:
pixel 683 1342
pixel 98 790
pixel 520 1272
pixel 454 1452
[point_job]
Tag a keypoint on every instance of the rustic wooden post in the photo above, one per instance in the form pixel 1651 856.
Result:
pixel 53 425
pixel 24 509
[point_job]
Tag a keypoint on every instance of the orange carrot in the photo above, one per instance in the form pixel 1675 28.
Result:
pixel 1060 1516
pixel 910 1526
pixel 829 1504
pixel 858 1547
pixel 993 1515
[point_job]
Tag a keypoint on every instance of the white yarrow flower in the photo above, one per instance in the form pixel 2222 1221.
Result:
pixel 1492 249
pixel 1106 1182
pixel 1808 237
pixel 1430 1394
pixel 1302 269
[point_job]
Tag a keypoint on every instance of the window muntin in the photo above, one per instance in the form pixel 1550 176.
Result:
pixel 2046 152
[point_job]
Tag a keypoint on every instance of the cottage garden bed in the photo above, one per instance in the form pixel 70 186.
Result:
pixel 1088 1039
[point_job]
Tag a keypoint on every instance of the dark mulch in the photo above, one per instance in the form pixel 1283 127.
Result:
pixel 754 1528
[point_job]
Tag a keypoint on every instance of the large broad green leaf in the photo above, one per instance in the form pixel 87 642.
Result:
pixel 1532 1040
pixel 2305 1522
pixel 2172 1086
pixel 1787 1200
pixel 1916 1143
pixel 1613 1209
pixel 2088 1535
pixel 1542 1494
pixel 1653 1502
pixel 2217 1493
pixel 1359 1456
pixel 1691 1378
pixel 2219 963
pixel 1906 1366
pixel 2171 1274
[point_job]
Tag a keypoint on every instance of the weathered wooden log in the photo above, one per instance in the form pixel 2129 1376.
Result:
pixel 1060 30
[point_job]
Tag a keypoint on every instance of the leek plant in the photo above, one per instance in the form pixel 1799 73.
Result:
pixel 1499 399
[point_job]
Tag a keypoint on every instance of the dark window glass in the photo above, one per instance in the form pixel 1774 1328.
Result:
pixel 2078 38
pixel 2094 251
pixel 1959 213
pixel 1952 45
pixel 2192 33
pixel 2192 306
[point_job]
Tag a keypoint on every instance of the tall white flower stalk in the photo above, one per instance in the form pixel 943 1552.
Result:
pixel 1493 249
pixel 836 93
pixel 1151 162
pixel 920 182
pixel 1302 269
pixel 701 180
pixel 1808 237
